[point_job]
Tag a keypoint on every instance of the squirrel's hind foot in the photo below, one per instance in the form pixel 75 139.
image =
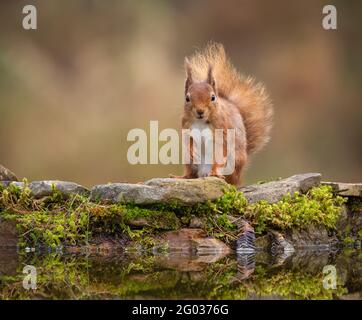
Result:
pixel 220 176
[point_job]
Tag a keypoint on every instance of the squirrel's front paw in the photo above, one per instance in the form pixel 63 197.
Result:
pixel 220 176
pixel 175 177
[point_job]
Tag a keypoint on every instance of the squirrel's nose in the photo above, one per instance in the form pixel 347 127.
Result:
pixel 200 112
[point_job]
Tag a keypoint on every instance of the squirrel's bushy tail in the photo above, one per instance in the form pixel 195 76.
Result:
pixel 250 97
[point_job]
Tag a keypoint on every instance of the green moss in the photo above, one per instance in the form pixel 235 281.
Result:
pixel 318 206
pixel 55 221
pixel 232 202
pixel 165 220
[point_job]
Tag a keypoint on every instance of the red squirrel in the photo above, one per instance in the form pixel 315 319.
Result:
pixel 218 97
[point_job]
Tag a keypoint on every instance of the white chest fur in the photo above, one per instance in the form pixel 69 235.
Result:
pixel 201 133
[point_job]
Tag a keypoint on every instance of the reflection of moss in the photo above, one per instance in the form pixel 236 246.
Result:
pixel 55 277
pixel 285 284
pixel 78 277
pixel 55 221
pixel 348 241
pixel 265 282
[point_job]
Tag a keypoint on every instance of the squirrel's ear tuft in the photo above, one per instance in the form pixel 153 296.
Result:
pixel 189 80
pixel 210 77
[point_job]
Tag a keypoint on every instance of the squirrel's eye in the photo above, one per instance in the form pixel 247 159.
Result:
pixel 187 98
pixel 213 97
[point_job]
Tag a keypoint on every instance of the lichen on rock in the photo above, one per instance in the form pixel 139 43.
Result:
pixel 184 191
pixel 274 191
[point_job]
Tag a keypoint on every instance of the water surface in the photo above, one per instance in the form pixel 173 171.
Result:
pixel 179 276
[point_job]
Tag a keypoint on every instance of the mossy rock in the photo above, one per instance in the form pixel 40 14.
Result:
pixel 6 174
pixel 75 220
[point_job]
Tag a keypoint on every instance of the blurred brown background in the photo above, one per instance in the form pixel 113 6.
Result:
pixel 71 90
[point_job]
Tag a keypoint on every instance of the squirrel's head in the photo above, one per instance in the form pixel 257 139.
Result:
pixel 200 97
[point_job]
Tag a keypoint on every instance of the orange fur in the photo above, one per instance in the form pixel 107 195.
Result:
pixel 240 103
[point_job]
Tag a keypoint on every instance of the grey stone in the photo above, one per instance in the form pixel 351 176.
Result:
pixel 345 189
pixel 40 189
pixel 189 191
pixel 349 222
pixel 343 222
pixel 189 262
pixel 274 191
pixel 9 262
pixel 139 223
pixel 193 241
pixel 7 175
pixel 310 261
pixel 196 223
pixel 8 233
pixel 280 243
pixel 312 237
pixel 184 191
pixel 15 183
pixel 263 242
pixel 126 193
